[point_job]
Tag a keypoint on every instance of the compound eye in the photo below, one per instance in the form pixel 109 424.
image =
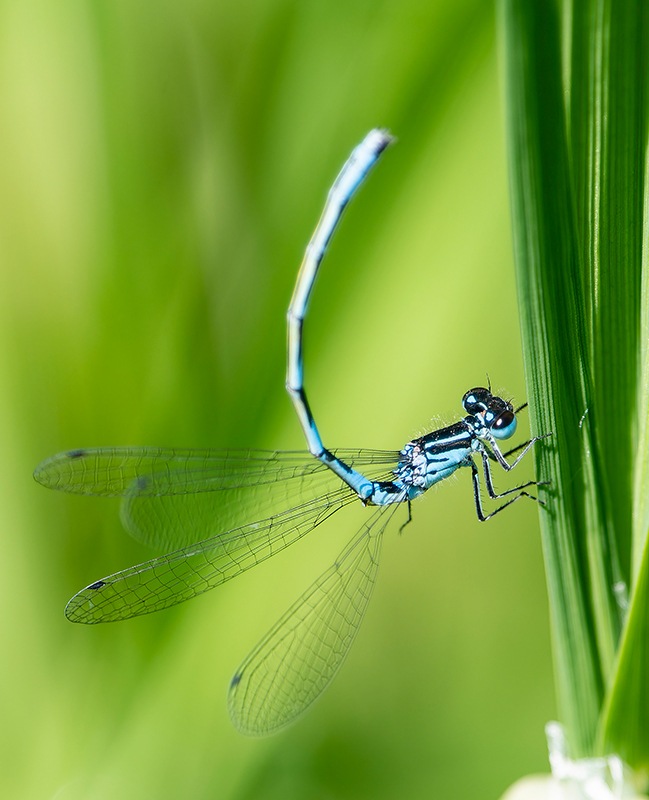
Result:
pixel 504 425
pixel 476 400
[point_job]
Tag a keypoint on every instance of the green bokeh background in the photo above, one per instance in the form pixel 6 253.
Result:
pixel 162 166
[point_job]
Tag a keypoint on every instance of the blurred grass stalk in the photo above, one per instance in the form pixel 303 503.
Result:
pixel 577 78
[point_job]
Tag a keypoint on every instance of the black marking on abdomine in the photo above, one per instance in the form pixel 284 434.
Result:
pixel 76 453
pixel 97 585
pixel 380 147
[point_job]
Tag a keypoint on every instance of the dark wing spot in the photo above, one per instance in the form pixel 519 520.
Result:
pixel 97 585
pixel 236 680
pixel 142 482
pixel 76 453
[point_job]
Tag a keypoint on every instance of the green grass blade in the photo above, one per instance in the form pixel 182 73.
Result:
pixel 625 721
pixel 609 135
pixel 549 281
pixel 578 137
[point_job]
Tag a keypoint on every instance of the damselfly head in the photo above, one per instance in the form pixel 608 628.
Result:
pixel 493 412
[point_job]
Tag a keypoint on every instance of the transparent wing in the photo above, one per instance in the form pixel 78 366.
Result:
pixel 299 657
pixel 175 497
pixel 192 570
pixel 155 471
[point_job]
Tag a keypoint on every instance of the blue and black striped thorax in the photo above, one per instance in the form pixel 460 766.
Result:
pixel 436 455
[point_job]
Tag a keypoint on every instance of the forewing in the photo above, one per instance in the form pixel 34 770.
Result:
pixel 154 471
pixel 173 498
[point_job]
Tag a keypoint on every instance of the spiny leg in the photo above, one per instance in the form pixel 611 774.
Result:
pixel 525 447
pixel 490 486
pixel 475 474
pixel 527 444
pixel 363 157
pixel 409 520
pixel 512 451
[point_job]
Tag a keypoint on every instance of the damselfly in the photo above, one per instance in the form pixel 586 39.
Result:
pixel 180 498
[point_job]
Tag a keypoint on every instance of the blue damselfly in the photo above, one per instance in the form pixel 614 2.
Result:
pixel 182 499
